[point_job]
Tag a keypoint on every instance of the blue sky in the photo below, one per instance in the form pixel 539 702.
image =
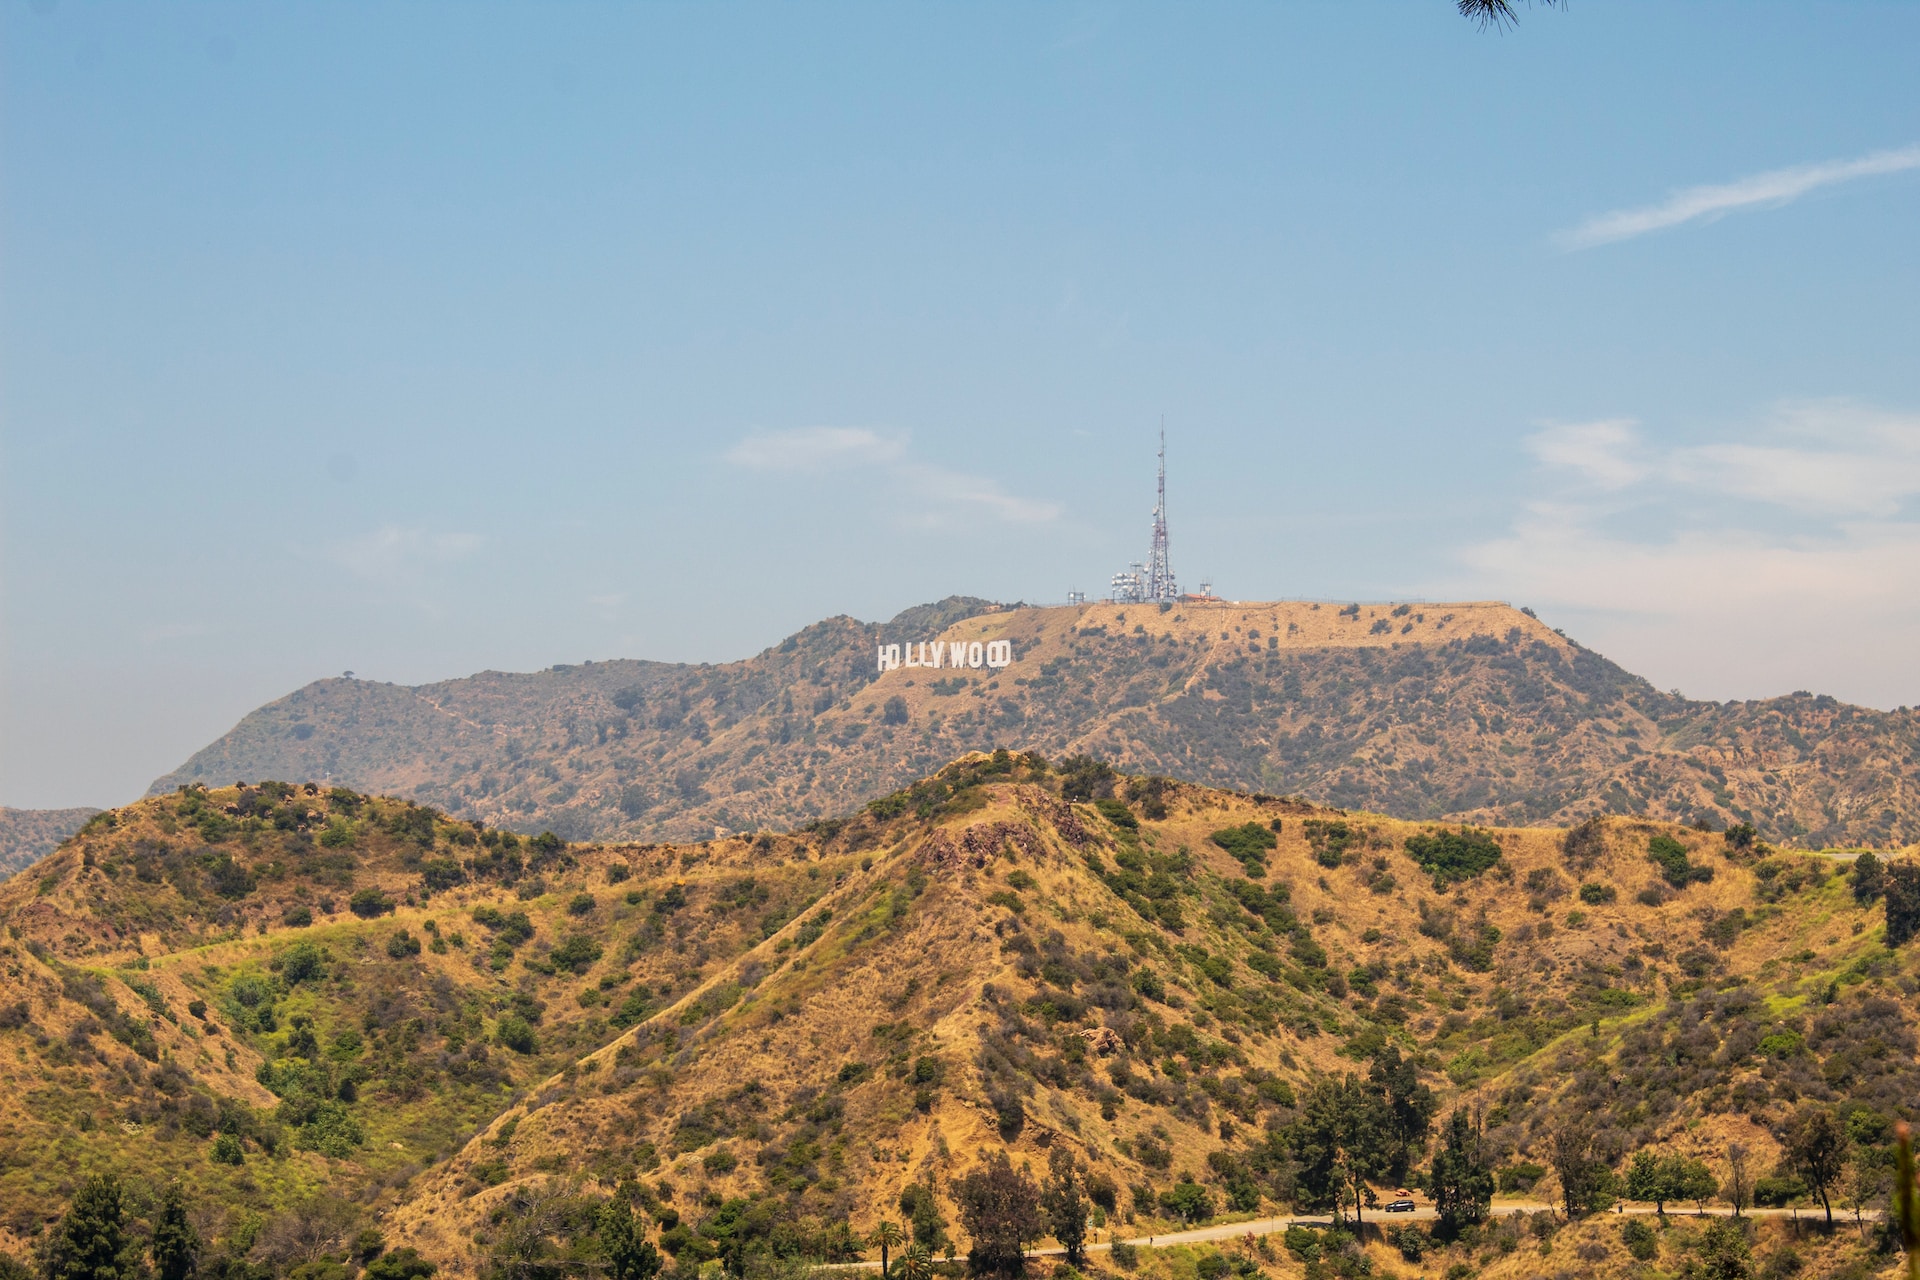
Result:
pixel 422 339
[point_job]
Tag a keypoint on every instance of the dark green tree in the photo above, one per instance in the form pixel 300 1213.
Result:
pixel 1649 1181
pixel 1407 1107
pixel 1188 1201
pixel 1868 879
pixel 1659 1178
pixel 1064 1198
pixel 90 1241
pixel 630 1255
pixel 175 1246
pixel 1000 1209
pixel 1724 1251
pixel 1902 890
pixel 1462 1180
pixel 1586 1179
pixel 1341 1140
pixel 1817 1149
pixel 921 1208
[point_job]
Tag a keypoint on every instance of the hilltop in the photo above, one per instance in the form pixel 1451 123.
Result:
pixel 1462 712
pixel 283 994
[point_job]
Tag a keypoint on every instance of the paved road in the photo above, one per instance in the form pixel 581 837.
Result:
pixel 1270 1226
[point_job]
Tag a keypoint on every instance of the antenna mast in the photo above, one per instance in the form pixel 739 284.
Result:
pixel 1160 584
pixel 1152 582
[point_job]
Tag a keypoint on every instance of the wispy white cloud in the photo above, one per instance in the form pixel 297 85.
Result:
pixel 396 556
pixel 1828 458
pixel 957 489
pixel 1708 203
pixel 936 495
pixel 1787 559
pixel 815 449
pixel 1602 452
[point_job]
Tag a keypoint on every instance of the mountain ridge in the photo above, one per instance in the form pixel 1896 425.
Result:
pixel 1468 711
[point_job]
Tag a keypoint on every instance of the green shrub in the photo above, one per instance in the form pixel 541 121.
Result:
pixel 304 960
pixel 1188 1201
pixel 1249 841
pixel 1675 868
pixel 578 953
pixel 1116 812
pixel 1641 1240
pixel 516 1033
pixel 403 944
pixel 227 1150
pixel 404 1263
pixel 1451 857
pixel 582 904
pixel 1329 838
pixel 1519 1177
pixel 1303 1243
pixel 1595 895
pixel 368 903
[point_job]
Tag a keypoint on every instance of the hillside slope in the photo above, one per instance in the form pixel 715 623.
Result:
pixel 280 994
pixel 28 835
pixel 1461 711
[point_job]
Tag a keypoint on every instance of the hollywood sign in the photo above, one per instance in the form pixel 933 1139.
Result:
pixel 938 653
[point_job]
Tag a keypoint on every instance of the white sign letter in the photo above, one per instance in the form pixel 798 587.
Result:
pixel 999 653
pixel 893 657
pixel 974 655
pixel 939 648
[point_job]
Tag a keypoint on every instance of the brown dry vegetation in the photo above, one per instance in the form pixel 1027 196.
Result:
pixel 1463 712
pixel 801 1025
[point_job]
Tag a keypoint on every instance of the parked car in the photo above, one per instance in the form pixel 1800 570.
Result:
pixel 1400 1206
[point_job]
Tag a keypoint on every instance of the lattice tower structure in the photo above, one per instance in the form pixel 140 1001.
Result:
pixel 1158 582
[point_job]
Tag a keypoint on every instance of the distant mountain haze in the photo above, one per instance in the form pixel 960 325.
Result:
pixel 28 835
pixel 1469 711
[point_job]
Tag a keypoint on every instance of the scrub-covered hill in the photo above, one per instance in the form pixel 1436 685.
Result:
pixel 325 1013
pixel 28 835
pixel 1472 712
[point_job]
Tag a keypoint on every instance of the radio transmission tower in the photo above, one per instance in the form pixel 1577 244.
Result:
pixel 1152 582
pixel 1160 583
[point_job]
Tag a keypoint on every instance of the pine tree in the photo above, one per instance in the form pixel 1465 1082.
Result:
pixel 1409 1107
pixel 90 1242
pixel 1341 1139
pixel 1462 1181
pixel 1064 1198
pixel 630 1255
pixel 924 1220
pixel 175 1245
